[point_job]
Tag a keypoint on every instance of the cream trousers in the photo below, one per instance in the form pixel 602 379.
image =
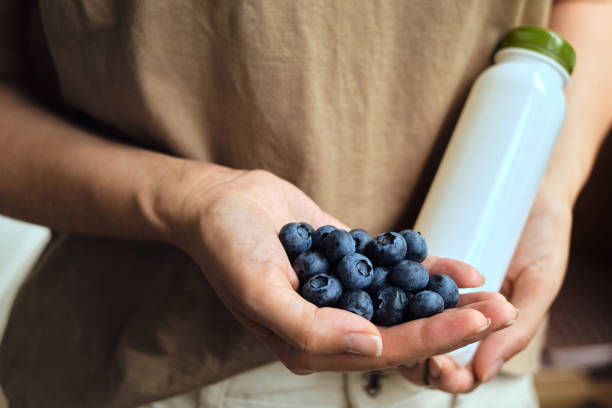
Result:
pixel 276 387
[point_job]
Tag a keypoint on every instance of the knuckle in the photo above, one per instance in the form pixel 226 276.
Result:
pixel 305 340
pixel 424 337
pixel 306 336
pixel 498 297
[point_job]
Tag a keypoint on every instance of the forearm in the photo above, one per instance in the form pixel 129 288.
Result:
pixel 59 175
pixel 587 25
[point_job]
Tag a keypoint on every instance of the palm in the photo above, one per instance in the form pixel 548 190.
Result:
pixel 541 254
pixel 233 236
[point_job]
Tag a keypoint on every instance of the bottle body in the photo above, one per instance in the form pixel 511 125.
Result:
pixel 485 185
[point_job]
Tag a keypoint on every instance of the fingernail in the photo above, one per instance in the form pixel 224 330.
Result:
pixel 478 333
pixel 511 322
pixel 366 344
pixel 435 368
pixel 483 279
pixel 493 370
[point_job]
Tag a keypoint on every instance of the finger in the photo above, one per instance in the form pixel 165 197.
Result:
pixel 443 372
pixel 466 299
pixel 464 275
pixel 415 373
pixel 435 335
pixel 501 312
pixel 533 302
pixel 404 344
pixel 446 375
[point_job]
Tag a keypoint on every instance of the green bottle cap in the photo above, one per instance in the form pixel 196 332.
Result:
pixel 545 42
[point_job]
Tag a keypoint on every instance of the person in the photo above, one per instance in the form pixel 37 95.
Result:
pixel 166 143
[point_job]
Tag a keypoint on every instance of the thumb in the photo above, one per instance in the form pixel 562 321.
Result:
pixel 316 330
pixel 533 301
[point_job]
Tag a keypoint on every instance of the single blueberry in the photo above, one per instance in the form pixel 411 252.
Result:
pixel 308 227
pixel 357 301
pixel 387 249
pixel 322 290
pixel 425 304
pixel 380 279
pixel 416 247
pixel 446 287
pixel 355 271
pixel 309 264
pixel 337 244
pixel 295 238
pixel 320 234
pixel 409 275
pixel 361 238
pixel 389 306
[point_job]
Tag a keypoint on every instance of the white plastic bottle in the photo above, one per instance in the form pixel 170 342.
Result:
pixel 482 192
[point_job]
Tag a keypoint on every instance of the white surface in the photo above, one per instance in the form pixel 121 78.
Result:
pixel 482 192
pixel 20 246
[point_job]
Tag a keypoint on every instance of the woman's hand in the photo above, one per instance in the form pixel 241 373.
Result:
pixel 230 227
pixel 532 282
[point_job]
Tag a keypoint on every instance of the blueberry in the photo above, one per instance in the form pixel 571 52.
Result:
pixel 361 238
pixel 446 287
pixel 295 238
pixel 322 290
pixel 337 244
pixel 409 275
pixel 320 234
pixel 416 247
pixel 308 227
pixel 309 264
pixel 357 301
pixel 387 249
pixel 355 271
pixel 425 304
pixel 389 306
pixel 380 279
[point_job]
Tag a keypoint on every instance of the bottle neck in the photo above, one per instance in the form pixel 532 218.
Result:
pixel 551 69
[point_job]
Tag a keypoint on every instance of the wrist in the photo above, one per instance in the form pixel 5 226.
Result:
pixel 564 178
pixel 180 195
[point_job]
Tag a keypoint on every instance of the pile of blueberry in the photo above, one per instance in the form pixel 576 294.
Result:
pixel 380 279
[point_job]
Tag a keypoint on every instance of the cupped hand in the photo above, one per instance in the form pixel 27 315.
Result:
pixel 532 282
pixel 230 227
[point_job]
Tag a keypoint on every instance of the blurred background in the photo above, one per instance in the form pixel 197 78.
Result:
pixel 577 359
